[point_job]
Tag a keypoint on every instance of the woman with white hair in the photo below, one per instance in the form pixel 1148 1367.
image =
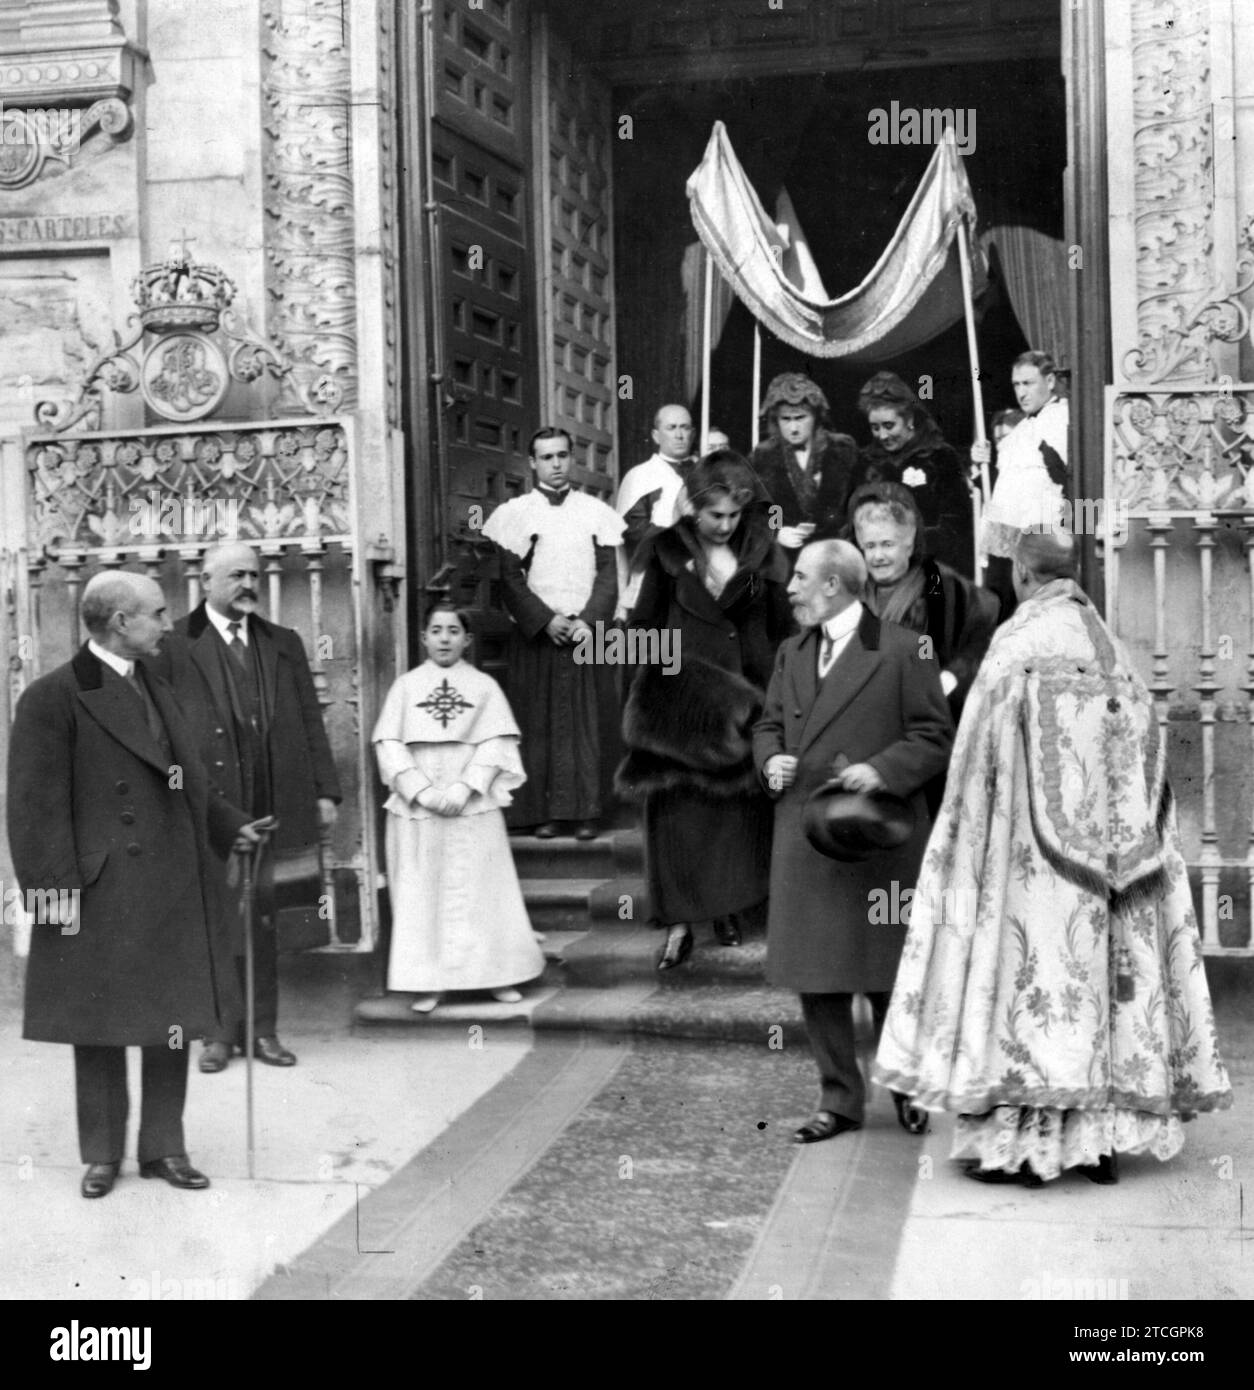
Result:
pixel 906 586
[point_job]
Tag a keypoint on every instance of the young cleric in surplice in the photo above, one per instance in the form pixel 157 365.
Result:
pixel 557 550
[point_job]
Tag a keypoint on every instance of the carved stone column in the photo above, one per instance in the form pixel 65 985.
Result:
pixel 310 279
pixel 1174 315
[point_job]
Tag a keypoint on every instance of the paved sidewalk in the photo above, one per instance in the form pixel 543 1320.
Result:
pixel 402 1161
pixel 329 1131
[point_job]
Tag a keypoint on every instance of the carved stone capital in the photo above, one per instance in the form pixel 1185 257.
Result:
pixel 54 99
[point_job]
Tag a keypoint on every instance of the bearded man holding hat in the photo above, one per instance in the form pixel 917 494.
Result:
pixel 855 712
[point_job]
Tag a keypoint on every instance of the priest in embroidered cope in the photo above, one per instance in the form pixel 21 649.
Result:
pixel 1052 989
pixel 558 579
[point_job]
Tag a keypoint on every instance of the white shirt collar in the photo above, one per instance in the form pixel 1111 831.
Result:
pixel 844 623
pixel 120 664
pixel 222 623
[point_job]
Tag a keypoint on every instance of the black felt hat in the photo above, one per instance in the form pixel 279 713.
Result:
pixel 854 825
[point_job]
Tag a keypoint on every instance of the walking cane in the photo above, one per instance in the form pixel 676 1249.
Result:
pixel 249 858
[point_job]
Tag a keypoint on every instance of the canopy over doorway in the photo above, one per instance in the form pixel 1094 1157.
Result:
pixel 809 135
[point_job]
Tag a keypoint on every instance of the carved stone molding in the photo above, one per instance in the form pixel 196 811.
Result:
pixel 33 138
pixel 67 71
pixel 389 221
pixel 310 271
pixel 1181 307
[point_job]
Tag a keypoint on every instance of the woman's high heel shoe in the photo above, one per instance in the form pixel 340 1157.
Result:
pixel 727 930
pixel 677 949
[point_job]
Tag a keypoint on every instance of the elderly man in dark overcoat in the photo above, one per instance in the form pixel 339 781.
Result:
pixel 853 693
pixel 248 694
pixel 111 819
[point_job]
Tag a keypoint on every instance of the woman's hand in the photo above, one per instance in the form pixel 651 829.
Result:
pixel 455 798
pixel 794 537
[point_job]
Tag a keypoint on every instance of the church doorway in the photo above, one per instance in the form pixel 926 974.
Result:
pixel 809 135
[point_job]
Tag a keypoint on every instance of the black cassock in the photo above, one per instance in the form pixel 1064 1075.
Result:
pixel 554 698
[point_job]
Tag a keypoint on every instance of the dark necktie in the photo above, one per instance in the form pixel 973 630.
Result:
pixel 152 716
pixel 825 653
pixel 235 645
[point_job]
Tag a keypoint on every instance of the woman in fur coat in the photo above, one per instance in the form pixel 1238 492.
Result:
pixel 719 580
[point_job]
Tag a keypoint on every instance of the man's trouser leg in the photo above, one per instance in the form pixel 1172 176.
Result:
pixel 161 1105
pixel 102 1103
pixel 829 1024
pixel 265 989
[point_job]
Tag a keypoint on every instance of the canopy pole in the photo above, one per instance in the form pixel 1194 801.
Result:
pixel 977 394
pixel 706 334
pixel 757 384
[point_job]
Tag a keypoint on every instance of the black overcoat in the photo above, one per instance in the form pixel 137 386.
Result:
pixel 833 459
pixel 881 703
pixel 94 805
pixel 301 767
pixel 940 490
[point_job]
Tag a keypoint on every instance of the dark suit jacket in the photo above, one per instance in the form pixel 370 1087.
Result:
pixel 881 703
pixel 95 806
pixel 297 751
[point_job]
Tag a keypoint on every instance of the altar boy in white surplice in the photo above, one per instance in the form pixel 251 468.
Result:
pixel 447 745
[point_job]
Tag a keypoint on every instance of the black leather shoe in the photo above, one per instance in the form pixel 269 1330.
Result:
pixel 586 830
pixel 1022 1177
pixel 909 1117
pixel 176 1170
pixel 214 1056
pixel 825 1125
pixel 99 1178
pixel 272 1052
pixel 1105 1172
pixel 677 949
pixel 547 831
pixel 727 931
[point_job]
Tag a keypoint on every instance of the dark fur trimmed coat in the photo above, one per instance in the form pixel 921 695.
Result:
pixel 689 735
pixel 693 728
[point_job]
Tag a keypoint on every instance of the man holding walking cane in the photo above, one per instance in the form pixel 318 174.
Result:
pixel 248 694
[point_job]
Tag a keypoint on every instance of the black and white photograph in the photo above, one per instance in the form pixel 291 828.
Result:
pixel 629 633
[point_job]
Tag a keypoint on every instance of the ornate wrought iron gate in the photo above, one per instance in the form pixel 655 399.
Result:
pixel 1180 592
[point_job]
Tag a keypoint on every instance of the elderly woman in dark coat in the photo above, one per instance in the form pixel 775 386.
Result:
pixel 804 465
pixel 718 579
pixel 906 586
pixel 907 447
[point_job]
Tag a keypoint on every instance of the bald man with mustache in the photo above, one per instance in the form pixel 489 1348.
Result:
pixel 248 694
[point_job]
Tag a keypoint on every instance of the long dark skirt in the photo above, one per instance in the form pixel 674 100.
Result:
pixel 706 857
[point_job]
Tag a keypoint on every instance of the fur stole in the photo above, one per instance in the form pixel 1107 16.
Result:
pixel 690 731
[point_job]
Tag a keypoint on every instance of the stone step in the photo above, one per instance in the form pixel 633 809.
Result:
pixel 611 955
pixel 711 996
pixel 573 904
pixel 614 853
